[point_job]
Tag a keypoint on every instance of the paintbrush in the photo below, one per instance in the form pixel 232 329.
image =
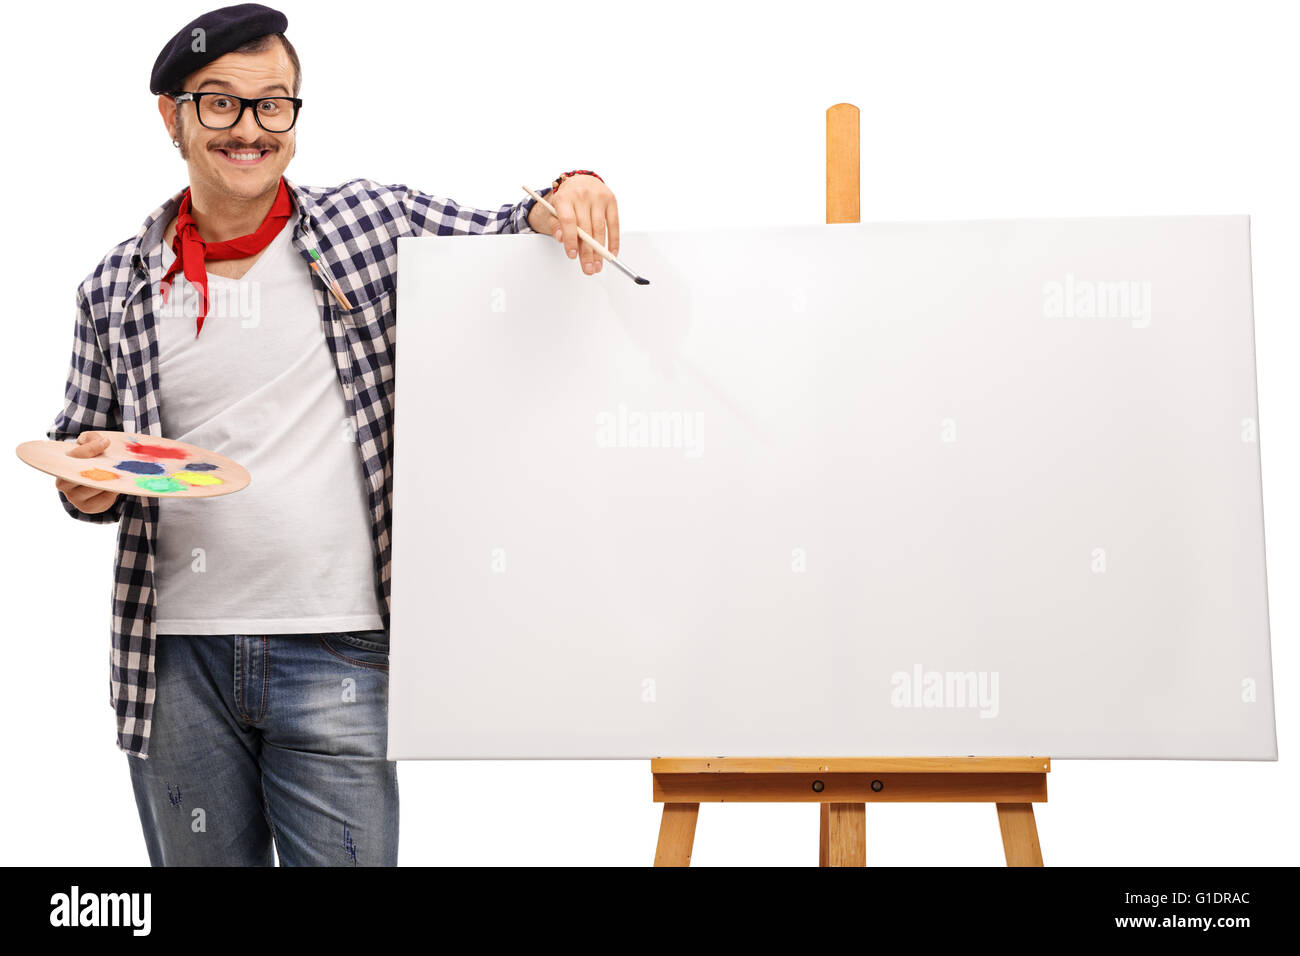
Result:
pixel 582 234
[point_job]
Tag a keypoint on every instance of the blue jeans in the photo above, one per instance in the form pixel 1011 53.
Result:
pixel 277 738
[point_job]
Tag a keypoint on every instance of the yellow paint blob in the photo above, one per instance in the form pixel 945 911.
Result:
pixel 196 478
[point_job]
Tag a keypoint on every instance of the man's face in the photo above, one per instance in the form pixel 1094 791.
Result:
pixel 245 161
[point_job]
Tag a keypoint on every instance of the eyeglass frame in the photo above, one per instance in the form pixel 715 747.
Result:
pixel 245 102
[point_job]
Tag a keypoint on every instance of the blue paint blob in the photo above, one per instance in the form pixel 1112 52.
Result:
pixel 200 466
pixel 140 467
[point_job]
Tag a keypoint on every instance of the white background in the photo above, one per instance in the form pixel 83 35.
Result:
pixel 698 115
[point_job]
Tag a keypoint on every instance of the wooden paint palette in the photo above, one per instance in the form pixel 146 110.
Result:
pixel 142 465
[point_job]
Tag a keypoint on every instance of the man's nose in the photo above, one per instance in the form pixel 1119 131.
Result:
pixel 247 128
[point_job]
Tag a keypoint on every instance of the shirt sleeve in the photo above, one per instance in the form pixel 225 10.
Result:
pixel 435 216
pixel 89 402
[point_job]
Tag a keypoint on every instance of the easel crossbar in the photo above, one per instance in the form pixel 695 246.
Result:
pixel 850 787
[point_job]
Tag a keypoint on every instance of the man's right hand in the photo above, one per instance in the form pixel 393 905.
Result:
pixel 84 498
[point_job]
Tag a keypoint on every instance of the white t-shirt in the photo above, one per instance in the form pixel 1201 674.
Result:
pixel 292 552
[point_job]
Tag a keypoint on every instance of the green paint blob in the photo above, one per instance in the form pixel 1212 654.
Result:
pixel 166 483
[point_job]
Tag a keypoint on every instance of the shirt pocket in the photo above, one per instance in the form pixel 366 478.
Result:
pixel 370 330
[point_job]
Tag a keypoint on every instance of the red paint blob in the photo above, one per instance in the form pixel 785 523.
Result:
pixel 155 451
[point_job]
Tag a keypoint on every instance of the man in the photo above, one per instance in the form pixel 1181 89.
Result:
pixel 256 318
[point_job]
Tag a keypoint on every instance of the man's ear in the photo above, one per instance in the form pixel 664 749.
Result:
pixel 167 109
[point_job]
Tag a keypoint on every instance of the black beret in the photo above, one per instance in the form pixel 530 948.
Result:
pixel 221 31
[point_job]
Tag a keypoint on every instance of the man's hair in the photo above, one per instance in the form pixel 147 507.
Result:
pixel 260 44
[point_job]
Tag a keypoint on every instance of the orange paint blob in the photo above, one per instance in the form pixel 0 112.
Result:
pixel 99 474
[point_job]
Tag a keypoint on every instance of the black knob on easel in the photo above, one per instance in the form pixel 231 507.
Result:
pixel 818 786
pixel 877 785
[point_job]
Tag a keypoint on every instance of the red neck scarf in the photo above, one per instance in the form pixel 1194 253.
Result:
pixel 191 251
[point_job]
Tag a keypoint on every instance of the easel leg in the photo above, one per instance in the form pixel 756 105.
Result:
pixel 843 834
pixel 677 834
pixel 824 840
pixel 1019 834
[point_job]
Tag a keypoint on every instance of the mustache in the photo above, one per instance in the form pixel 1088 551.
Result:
pixel 240 147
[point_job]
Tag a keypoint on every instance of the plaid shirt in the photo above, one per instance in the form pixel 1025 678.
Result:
pixel 113 380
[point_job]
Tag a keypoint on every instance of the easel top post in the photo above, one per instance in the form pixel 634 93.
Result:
pixel 843 164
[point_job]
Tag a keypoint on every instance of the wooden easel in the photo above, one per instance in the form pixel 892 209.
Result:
pixel 845 785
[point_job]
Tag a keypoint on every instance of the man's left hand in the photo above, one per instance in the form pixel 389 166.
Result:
pixel 586 202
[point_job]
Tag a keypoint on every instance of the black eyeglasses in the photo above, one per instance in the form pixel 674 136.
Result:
pixel 275 114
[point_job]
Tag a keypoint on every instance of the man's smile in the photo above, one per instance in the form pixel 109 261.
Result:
pixel 244 156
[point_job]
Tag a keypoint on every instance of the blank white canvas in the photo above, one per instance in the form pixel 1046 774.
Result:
pixel 859 489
